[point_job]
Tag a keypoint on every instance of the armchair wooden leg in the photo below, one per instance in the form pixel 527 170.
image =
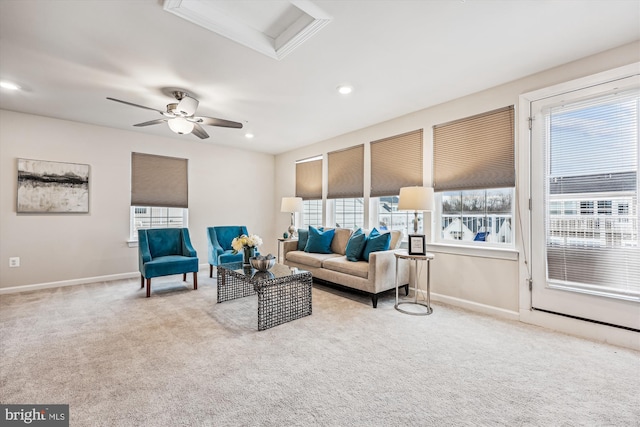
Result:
pixel 210 270
pixel 141 281
pixel 148 288
pixel 184 277
pixel 195 280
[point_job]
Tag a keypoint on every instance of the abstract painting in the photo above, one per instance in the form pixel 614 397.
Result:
pixel 52 187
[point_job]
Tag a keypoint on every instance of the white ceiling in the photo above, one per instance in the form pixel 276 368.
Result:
pixel 401 56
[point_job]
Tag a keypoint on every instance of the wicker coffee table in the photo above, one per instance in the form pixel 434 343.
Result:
pixel 283 294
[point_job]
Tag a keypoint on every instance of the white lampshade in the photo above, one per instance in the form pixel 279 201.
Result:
pixel 291 204
pixel 180 125
pixel 187 106
pixel 416 199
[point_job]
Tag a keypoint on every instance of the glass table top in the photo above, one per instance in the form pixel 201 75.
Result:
pixel 276 272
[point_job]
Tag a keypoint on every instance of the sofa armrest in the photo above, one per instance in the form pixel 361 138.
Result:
pixel 288 246
pixel 382 270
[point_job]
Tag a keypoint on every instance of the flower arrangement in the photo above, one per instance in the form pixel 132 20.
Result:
pixel 239 243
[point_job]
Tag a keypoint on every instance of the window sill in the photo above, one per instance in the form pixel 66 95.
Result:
pixel 132 243
pixel 510 254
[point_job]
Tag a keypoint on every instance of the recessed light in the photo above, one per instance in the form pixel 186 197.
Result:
pixel 9 85
pixel 345 89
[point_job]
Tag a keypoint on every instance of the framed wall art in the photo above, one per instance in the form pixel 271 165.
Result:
pixel 52 187
pixel 417 244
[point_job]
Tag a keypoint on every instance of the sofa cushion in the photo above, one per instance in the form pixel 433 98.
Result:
pixel 319 242
pixel 310 259
pixel 342 265
pixel 376 242
pixel 340 240
pixel 303 236
pixel 396 239
pixel 355 246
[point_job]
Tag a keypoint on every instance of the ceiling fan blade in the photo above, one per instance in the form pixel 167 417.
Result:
pixel 199 132
pixel 210 121
pixel 135 105
pixel 152 122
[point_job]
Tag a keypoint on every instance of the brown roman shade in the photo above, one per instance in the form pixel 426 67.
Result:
pixel 476 152
pixel 346 173
pixel 396 162
pixel 159 181
pixel 309 179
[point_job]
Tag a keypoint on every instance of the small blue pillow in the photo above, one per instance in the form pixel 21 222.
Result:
pixel 319 242
pixel 303 235
pixel 376 242
pixel 355 245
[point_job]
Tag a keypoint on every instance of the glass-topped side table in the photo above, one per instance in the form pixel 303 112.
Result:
pixel 284 294
pixel 426 257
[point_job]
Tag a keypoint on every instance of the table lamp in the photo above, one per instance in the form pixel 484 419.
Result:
pixel 416 199
pixel 291 205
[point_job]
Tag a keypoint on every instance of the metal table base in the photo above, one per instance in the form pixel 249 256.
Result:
pixel 426 257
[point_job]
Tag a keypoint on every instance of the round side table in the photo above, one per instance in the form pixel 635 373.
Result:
pixel 415 258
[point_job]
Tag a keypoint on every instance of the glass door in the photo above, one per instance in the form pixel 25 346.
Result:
pixel 584 186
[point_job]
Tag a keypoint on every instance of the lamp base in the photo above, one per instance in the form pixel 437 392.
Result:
pixel 293 232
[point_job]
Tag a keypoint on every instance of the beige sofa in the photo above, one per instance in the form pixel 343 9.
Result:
pixel 372 278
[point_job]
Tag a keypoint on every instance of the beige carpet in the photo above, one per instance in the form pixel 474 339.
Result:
pixel 179 359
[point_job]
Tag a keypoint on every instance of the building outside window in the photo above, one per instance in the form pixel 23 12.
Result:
pixel 477 216
pixel 389 218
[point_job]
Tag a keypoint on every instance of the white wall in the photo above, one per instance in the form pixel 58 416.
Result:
pixel 226 186
pixel 489 284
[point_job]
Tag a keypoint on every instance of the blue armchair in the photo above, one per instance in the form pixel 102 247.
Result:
pixel 219 244
pixel 166 251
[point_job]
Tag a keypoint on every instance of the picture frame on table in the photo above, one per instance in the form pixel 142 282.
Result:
pixel 417 244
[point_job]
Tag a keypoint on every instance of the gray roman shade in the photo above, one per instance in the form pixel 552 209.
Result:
pixel 159 181
pixel 309 179
pixel 396 162
pixel 346 173
pixel 476 152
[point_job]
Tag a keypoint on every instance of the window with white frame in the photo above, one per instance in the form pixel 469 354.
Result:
pixel 474 179
pixel 476 216
pixel 145 217
pixel 390 218
pixel 312 213
pixel 348 213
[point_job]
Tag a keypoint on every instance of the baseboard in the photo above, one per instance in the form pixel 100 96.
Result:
pixel 476 306
pixel 581 328
pixel 81 281
pixel 73 282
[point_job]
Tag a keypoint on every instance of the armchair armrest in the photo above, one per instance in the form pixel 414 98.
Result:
pixel 187 248
pixel 144 254
pixel 213 246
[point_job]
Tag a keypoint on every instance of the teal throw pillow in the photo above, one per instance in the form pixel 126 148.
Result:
pixel 355 245
pixel 303 235
pixel 376 242
pixel 319 242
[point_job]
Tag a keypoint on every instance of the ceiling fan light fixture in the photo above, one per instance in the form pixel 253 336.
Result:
pixel 180 125
pixel 187 106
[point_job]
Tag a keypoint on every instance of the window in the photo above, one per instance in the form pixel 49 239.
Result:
pixel 476 216
pixel 389 218
pixel 156 217
pixel 348 213
pixel 474 179
pixel 159 192
pixel 312 214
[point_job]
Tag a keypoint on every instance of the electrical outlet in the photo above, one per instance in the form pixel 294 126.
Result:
pixel 14 261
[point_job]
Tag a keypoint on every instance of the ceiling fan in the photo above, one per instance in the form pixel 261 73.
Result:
pixel 181 118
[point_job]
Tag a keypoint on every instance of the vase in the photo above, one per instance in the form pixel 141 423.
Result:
pixel 248 252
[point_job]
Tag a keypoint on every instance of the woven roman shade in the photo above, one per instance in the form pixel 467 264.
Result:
pixel 159 181
pixel 309 179
pixel 396 162
pixel 346 173
pixel 475 153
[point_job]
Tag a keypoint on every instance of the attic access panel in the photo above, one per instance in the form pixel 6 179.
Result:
pixel 274 28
